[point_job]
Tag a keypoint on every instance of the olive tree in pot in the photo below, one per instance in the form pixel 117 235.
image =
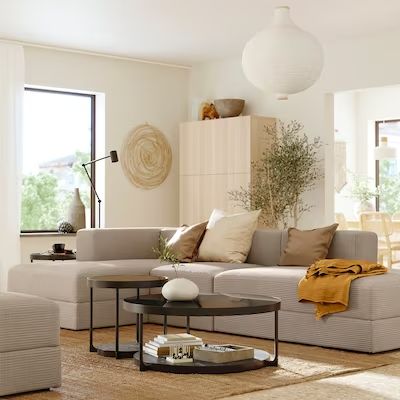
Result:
pixel 177 289
pixel 286 170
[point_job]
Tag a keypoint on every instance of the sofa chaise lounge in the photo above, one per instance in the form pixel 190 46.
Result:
pixel 371 324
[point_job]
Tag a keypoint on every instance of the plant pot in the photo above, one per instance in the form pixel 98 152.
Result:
pixel 229 107
pixel 363 206
pixel 180 289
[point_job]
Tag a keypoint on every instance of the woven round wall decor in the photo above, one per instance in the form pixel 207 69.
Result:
pixel 146 157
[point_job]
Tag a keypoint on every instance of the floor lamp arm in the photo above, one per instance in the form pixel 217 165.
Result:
pixel 94 191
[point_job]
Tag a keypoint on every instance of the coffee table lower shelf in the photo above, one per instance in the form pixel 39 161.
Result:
pixel 125 350
pixel 261 359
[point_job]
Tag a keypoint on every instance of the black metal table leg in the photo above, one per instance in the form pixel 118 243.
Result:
pixel 117 323
pixel 142 365
pixel 92 349
pixel 137 317
pixel 165 325
pixel 274 361
pixel 188 324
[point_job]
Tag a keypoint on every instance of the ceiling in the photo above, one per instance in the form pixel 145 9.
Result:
pixel 182 31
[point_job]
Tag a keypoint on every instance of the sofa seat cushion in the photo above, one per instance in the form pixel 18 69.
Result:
pixel 201 273
pixel 371 298
pixel 66 281
pixel 27 322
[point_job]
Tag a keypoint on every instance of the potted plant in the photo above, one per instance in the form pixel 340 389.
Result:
pixel 363 191
pixel 177 289
pixel 286 170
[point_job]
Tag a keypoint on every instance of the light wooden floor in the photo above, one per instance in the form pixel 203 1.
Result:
pixel 304 372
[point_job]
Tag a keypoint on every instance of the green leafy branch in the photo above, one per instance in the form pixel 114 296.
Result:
pixel 165 254
pixel 288 168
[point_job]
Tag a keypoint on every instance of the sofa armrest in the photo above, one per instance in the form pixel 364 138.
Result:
pixel 116 243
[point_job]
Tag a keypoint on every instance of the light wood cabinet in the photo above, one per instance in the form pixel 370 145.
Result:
pixel 215 157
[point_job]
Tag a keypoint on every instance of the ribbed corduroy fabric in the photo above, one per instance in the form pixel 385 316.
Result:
pixel 29 343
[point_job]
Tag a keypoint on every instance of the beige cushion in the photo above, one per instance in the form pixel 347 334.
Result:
pixel 202 274
pixel 67 281
pixel 371 298
pixel 306 247
pixel 186 241
pixel 215 216
pixel 27 322
pixel 229 240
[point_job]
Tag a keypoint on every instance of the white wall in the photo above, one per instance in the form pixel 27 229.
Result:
pixel 345 116
pixel 349 64
pixel 355 116
pixel 135 93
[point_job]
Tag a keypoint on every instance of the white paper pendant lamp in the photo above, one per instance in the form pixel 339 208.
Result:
pixel 282 59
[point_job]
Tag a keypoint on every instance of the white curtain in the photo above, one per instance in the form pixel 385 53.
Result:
pixel 11 103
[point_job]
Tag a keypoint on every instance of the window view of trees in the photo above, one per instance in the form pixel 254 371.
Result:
pixel 56 142
pixel 389 173
pixel 45 201
pixel 389 187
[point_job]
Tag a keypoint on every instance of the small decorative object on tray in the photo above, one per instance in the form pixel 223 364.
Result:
pixel 161 345
pixel 223 353
pixel 180 354
pixel 58 247
pixel 208 111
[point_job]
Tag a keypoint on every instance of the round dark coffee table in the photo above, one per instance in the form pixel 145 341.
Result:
pixel 204 305
pixel 120 282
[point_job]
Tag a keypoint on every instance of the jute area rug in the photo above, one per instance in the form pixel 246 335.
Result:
pixel 89 376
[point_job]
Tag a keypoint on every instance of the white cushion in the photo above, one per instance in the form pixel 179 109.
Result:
pixel 229 240
pixel 215 216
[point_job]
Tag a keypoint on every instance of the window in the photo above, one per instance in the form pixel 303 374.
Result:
pixel 387 174
pixel 58 136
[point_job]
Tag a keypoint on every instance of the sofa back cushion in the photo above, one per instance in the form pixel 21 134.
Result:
pixel 265 248
pixel 354 245
pixel 268 244
pixel 116 243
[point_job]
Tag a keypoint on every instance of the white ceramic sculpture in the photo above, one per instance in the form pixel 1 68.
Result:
pixel 180 289
pixel 76 212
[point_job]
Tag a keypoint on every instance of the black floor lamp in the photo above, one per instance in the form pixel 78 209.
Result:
pixel 114 158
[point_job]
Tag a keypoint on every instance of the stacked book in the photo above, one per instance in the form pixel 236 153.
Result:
pixel 161 344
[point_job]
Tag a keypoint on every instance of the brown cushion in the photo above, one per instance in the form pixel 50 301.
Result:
pixel 186 241
pixel 306 247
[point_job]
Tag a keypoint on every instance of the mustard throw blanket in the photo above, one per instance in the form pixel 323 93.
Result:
pixel 327 283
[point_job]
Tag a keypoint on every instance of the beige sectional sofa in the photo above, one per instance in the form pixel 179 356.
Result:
pixel 30 354
pixel 371 324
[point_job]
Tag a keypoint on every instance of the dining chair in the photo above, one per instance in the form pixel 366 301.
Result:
pixel 342 221
pixel 381 223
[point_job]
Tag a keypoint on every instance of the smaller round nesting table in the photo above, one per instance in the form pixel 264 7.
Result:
pixel 50 256
pixel 118 282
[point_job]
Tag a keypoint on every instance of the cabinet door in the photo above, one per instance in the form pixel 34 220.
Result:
pixel 200 194
pixel 219 146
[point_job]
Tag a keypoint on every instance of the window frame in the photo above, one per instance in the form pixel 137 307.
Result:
pixel 92 146
pixel 377 161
